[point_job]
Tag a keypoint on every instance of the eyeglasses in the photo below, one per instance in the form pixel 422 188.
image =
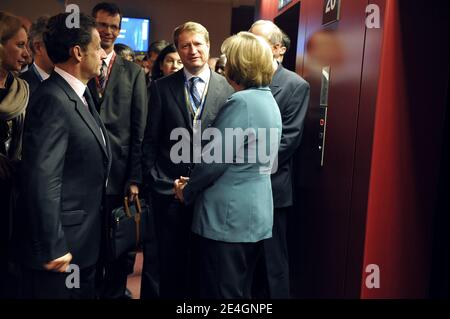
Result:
pixel 102 25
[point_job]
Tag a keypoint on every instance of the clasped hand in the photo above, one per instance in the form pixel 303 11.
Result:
pixel 178 187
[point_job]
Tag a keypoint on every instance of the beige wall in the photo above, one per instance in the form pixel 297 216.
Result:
pixel 164 15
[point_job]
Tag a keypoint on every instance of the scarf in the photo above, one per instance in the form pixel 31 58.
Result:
pixel 15 101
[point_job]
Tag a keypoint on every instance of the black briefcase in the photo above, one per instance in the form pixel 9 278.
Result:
pixel 128 226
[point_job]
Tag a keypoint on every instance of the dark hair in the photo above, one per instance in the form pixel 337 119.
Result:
pixel 59 39
pixel 220 65
pixel 37 30
pixel 156 70
pixel 157 46
pixel 286 41
pixel 109 7
pixel 123 50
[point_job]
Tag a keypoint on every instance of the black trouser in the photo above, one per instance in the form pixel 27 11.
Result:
pixel 225 270
pixel 272 271
pixel 40 284
pixel 150 265
pixel 111 274
pixel 173 235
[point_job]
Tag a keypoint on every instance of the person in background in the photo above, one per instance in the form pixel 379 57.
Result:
pixel 292 95
pixel 14 95
pixel 220 65
pixel 212 62
pixel 233 212
pixel 167 62
pixel 120 96
pixel 124 51
pixel 154 50
pixel 42 66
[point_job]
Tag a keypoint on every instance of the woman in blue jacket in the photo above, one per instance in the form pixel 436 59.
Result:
pixel 231 188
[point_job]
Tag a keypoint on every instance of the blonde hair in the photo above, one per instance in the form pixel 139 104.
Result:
pixel 249 60
pixel 190 27
pixel 9 26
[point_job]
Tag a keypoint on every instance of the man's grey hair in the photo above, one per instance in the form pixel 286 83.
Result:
pixel 271 32
pixel 37 30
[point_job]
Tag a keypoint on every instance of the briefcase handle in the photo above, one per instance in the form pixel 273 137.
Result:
pixel 137 217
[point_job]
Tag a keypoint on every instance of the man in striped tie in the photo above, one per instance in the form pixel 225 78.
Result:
pixel 120 95
pixel 177 101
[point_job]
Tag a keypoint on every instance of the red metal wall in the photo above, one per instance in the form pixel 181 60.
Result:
pixel 373 201
pixel 406 149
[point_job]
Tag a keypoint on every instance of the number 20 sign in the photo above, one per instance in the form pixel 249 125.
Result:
pixel 331 10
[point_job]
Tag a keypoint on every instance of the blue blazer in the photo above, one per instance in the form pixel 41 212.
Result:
pixel 233 195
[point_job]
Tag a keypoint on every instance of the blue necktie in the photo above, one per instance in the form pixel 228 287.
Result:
pixel 195 94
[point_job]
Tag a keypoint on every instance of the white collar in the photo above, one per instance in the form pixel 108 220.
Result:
pixel 78 86
pixel 108 58
pixel 44 75
pixel 205 75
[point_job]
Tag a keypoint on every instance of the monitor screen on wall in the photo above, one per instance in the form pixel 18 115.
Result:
pixel 135 33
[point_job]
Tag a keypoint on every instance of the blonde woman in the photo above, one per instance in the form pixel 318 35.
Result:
pixel 233 206
pixel 14 95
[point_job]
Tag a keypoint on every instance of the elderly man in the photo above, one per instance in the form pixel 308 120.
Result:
pixel 292 95
pixel 42 66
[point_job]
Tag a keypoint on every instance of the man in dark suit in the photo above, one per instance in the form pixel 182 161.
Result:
pixel 176 101
pixel 66 160
pixel 120 95
pixel 292 95
pixel 42 66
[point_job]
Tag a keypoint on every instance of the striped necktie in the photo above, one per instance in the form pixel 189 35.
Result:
pixel 102 76
pixel 195 94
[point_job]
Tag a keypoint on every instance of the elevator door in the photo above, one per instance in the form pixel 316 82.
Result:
pixel 288 21
pixel 319 224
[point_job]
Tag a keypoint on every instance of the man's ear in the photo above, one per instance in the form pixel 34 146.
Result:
pixel 77 53
pixel 282 50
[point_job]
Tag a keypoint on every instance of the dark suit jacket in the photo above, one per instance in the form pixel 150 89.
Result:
pixel 292 95
pixel 32 78
pixel 65 168
pixel 168 111
pixel 123 110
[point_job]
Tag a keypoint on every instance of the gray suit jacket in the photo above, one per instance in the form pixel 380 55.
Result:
pixel 168 111
pixel 123 109
pixel 292 95
pixel 233 199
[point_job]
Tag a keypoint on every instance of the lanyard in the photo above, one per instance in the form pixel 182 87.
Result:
pixel 198 113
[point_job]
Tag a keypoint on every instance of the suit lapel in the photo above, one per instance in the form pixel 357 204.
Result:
pixel 178 92
pixel 84 113
pixel 116 71
pixel 211 102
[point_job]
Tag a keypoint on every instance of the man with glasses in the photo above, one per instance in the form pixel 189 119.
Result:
pixel 120 96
